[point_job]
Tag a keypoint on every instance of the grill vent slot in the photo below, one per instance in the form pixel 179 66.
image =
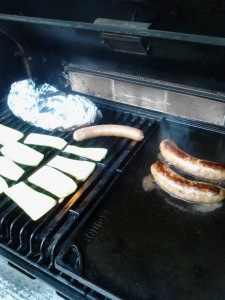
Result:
pixel 139 95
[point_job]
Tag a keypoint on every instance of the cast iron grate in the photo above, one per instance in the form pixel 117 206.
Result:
pixel 38 242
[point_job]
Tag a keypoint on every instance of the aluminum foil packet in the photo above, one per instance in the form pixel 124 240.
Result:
pixel 46 107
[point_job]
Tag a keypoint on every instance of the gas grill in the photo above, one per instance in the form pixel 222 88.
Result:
pixel 147 65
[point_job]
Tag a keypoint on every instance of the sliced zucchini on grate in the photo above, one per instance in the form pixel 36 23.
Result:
pixel 96 154
pixel 8 134
pixel 34 203
pixel 3 185
pixel 45 140
pixel 53 181
pixel 76 168
pixel 9 169
pixel 22 154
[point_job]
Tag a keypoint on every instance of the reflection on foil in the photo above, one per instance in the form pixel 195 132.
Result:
pixel 48 108
pixel 148 183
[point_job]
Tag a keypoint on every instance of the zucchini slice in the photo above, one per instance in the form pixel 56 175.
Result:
pixel 45 140
pixel 34 203
pixel 53 181
pixel 9 169
pixel 8 134
pixel 96 154
pixel 22 154
pixel 77 168
pixel 3 185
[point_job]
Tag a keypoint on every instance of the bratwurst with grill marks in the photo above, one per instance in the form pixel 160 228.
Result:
pixel 189 164
pixel 181 188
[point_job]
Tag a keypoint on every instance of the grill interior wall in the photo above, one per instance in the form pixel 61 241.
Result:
pixel 193 16
pixel 182 105
pixel 50 48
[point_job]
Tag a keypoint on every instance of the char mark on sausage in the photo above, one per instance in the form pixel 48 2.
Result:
pixel 189 164
pixel 185 189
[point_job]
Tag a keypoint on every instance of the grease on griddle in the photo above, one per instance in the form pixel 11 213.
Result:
pixel 205 208
pixel 148 183
pixel 190 207
pixel 160 157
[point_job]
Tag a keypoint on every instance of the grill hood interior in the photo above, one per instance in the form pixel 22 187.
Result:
pixel 181 42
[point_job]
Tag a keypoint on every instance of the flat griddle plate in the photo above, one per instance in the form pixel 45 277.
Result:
pixel 149 245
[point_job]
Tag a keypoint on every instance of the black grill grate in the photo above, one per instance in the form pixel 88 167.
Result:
pixel 39 241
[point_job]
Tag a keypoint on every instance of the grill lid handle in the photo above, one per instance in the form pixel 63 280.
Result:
pixel 121 42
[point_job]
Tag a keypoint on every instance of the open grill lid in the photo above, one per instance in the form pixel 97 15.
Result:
pixel 180 43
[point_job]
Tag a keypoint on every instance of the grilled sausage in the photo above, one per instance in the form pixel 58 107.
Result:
pixel 182 188
pixel 189 164
pixel 108 130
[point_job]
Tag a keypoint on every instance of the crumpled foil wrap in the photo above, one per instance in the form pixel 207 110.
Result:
pixel 46 107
